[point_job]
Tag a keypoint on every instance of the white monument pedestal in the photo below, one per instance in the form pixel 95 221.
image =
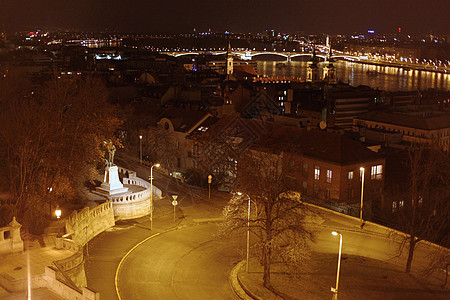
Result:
pixel 111 183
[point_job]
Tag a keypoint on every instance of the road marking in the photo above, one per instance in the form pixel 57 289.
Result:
pixel 116 279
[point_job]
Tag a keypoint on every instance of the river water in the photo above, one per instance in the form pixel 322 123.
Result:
pixel 355 74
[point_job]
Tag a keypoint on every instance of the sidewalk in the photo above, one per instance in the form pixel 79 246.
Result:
pixel 360 278
pixel 31 262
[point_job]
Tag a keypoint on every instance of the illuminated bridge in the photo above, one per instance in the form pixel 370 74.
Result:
pixel 249 54
pixel 365 59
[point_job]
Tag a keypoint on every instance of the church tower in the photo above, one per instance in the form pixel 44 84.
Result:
pixel 312 70
pixel 229 66
pixel 329 71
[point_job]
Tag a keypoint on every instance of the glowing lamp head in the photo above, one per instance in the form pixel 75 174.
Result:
pixel 157 165
pixel 140 137
pixel 361 169
pixel 239 193
pixel 58 212
pixel 334 233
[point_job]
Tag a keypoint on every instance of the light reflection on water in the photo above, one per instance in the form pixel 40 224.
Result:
pixel 383 78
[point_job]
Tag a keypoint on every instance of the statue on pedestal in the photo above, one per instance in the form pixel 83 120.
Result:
pixel 111 183
pixel 111 150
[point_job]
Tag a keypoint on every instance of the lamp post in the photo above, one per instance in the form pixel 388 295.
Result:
pixel 362 197
pixel 248 230
pixel 209 185
pixel 151 195
pixel 335 290
pixel 58 212
pixel 140 149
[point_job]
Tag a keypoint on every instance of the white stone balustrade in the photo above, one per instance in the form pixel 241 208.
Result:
pixel 86 224
pixel 124 171
pixel 137 204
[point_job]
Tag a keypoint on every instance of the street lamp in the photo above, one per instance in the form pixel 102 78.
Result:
pixel 58 212
pixel 248 229
pixel 362 197
pixel 209 185
pixel 335 290
pixel 140 149
pixel 151 194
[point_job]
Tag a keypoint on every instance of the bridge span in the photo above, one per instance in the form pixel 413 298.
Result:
pixel 337 55
pixel 249 54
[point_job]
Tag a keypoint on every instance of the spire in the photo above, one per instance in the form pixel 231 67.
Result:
pixel 330 52
pixel 229 61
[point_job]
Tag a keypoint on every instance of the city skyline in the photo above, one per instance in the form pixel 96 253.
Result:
pixel 334 17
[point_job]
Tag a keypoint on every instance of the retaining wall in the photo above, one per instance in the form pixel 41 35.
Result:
pixel 72 266
pixel 84 225
pixel 134 205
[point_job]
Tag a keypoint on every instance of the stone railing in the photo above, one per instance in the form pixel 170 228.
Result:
pixel 72 267
pixel 67 279
pixel 134 205
pixel 126 172
pixel 81 227
pixel 50 280
pixel 10 240
pixel 84 225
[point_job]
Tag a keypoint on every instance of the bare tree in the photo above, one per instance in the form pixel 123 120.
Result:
pixel 278 221
pixel 423 209
pixel 51 135
pixel 162 146
pixel 220 147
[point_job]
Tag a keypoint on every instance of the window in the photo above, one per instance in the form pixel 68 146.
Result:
pixel 305 186
pixel 400 204
pixel 376 172
pixel 305 169
pixel 350 193
pixel 196 148
pixel 420 201
pixel 350 175
pixel 316 189
pixel 327 194
pixel 329 175
pixel 316 172
pixel 394 206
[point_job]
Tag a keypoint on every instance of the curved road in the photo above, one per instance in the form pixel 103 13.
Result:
pixel 191 263
pixel 188 263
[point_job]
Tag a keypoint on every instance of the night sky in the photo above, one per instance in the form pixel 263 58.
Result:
pixel 175 16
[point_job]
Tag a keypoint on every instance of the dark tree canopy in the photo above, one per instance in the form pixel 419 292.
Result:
pixel 51 135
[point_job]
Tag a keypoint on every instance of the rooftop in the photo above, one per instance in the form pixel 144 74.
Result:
pixel 429 121
pixel 276 138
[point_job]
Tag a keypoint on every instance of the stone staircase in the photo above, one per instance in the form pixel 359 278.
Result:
pixel 54 229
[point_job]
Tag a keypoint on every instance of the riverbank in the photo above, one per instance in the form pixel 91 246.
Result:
pixel 406 67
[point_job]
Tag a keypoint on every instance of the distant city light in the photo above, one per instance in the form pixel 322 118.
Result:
pixel 371 31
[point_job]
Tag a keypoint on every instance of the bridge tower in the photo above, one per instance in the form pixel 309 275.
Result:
pixel 229 58
pixel 329 71
pixel 312 70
